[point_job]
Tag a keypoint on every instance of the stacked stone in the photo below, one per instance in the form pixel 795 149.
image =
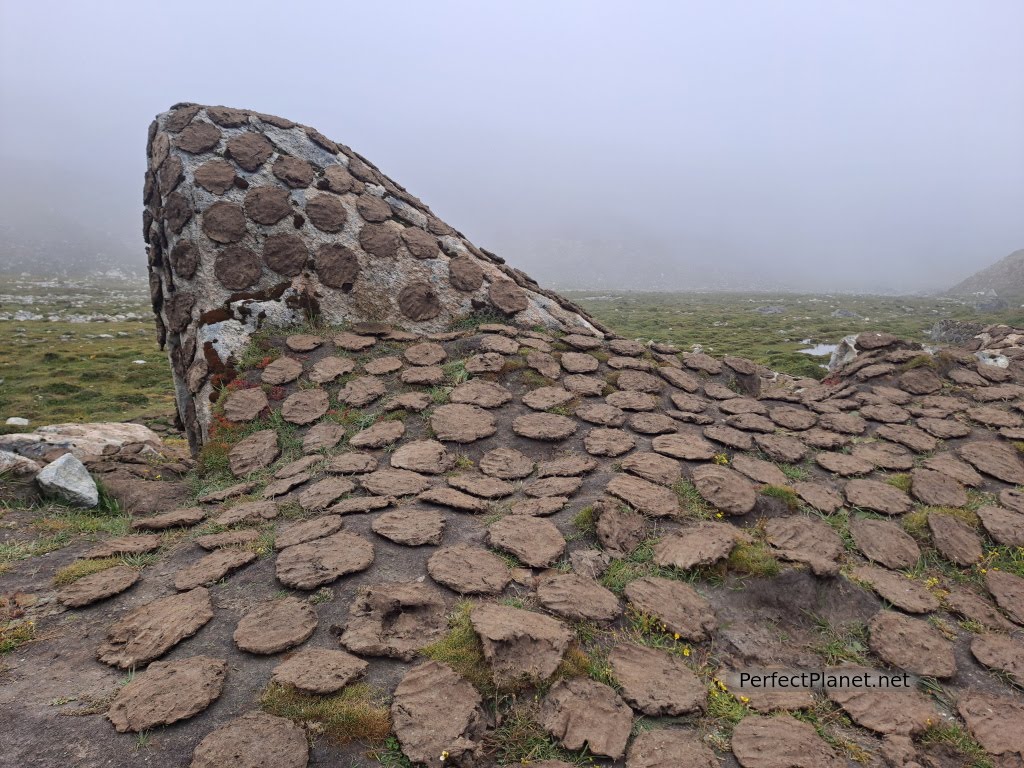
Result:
pixel 252 219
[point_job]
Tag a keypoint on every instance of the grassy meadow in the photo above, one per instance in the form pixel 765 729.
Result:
pixel 68 349
pixel 730 323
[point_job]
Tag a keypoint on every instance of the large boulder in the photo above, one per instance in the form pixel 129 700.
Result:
pixel 82 440
pixel 260 221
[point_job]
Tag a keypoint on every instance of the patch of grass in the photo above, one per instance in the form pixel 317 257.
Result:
pixel 474 319
pixel 901 481
pixel 753 559
pixel 461 649
pixel 783 493
pixel 357 713
pixel 440 395
pixel 13 635
pixel 724 706
pixel 953 735
pixel 455 372
pixel 692 502
pixel 840 523
pixel 264 545
pixel 55 519
pixel 82 568
pixel 583 521
pixel 521 740
pixel 838 644
pixel 827 718
pixel 794 472
pixel 1009 559
pixel 635 565
pixel 259 352
pixel 11 551
pixel 390 754
pixel 587 662
pixel 729 323
pixel 57 372
pixel 916 522
pixel 534 380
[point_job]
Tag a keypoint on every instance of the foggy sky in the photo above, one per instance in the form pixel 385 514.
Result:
pixel 804 145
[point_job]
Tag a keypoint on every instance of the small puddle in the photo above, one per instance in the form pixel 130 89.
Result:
pixel 819 350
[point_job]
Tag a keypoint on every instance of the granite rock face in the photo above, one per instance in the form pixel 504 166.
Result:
pixel 258 221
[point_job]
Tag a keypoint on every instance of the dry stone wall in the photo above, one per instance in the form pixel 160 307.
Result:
pixel 253 220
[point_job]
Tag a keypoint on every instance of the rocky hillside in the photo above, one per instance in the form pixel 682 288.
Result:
pixel 1005 279
pixel 496 544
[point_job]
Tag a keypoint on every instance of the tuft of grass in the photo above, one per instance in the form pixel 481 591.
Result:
pixel 82 568
pixel 794 472
pixel 440 395
pixel 357 713
pixel 592 663
pixel 390 754
pixel 474 319
pixel 784 493
pixel 692 502
pixel 953 735
pixel 455 372
pixel 16 634
pixel 1009 559
pixel 11 551
pixel 827 718
pixel 916 522
pixel 461 649
pixel 583 521
pixel 521 740
pixel 635 565
pixel 753 559
pixel 724 706
pixel 264 545
pixel 901 481
pixel 838 644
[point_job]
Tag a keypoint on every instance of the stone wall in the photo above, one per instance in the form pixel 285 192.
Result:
pixel 252 219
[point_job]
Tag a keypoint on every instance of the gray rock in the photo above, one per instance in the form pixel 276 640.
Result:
pixel 68 480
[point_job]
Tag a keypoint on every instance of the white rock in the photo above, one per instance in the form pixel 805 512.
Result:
pixel 81 439
pixel 68 479
pixel 17 465
pixel 16 421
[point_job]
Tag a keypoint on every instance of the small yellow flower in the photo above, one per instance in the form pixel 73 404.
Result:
pixel 444 755
pixel 984 570
pixel 745 699
pixel 686 651
pixel 718 515
pixel 675 636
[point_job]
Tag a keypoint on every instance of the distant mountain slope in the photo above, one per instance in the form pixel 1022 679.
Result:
pixel 1004 278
